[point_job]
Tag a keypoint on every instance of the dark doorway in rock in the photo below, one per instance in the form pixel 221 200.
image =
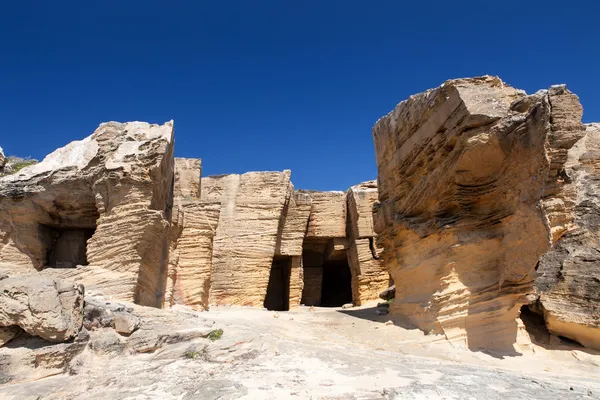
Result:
pixel 535 325
pixel 278 290
pixel 66 247
pixel 337 284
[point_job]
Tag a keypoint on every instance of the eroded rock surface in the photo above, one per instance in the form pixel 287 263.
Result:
pixel 369 275
pixel 246 235
pixel 461 177
pixel 105 201
pixel 569 285
pixel 41 306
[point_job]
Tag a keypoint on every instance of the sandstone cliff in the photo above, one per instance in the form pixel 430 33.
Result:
pixel 462 170
pixel 104 201
pixel 568 288
pixel 369 275
pixel 246 235
pixel 191 236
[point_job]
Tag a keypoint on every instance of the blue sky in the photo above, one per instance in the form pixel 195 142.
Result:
pixel 272 85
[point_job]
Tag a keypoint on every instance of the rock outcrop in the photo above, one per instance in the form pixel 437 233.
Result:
pixel 41 306
pixel 369 276
pixel 104 201
pixel 246 235
pixel 117 212
pixel 193 228
pixel 568 288
pixel 462 171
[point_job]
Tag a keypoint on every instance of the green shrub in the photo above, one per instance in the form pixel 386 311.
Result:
pixel 215 335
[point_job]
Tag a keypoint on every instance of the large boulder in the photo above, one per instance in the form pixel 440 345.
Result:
pixel 462 171
pixel 42 306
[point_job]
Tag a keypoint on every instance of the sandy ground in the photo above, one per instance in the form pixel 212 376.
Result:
pixel 321 354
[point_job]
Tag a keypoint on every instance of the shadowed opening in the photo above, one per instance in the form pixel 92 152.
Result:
pixel 337 284
pixel 278 290
pixel 65 247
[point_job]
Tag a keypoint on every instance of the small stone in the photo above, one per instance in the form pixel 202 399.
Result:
pixel 348 305
pixel 311 308
pixel 389 323
pixel 126 323
pixel 276 315
pixel 381 312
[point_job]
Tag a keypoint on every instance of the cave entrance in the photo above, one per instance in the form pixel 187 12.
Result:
pixel 66 247
pixel 278 290
pixel 336 289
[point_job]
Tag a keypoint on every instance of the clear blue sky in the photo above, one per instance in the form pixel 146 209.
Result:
pixel 272 85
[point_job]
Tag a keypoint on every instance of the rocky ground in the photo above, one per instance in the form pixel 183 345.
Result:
pixel 306 354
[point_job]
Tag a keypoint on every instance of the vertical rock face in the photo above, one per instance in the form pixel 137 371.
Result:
pixel 461 177
pixel 244 246
pixel 369 276
pixel 569 283
pixel 294 223
pixel 110 193
pixel 191 236
pixel 328 214
pixel 190 257
pixel 565 130
pixel 188 172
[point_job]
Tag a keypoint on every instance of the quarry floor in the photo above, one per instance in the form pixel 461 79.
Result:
pixel 321 353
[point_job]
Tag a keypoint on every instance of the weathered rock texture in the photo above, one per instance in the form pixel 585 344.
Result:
pixel 117 212
pixel 188 172
pixel 246 236
pixel 328 214
pixel 191 235
pixel 104 201
pixel 41 306
pixel 568 289
pixel 462 171
pixel 369 276
pixel 2 160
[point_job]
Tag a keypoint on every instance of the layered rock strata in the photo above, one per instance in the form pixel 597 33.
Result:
pixel 117 212
pixel 462 171
pixel 568 288
pixel 104 201
pixel 246 235
pixel 369 276
pixel 191 235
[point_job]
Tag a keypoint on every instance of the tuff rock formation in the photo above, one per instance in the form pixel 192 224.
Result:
pixel 41 306
pixel 104 201
pixel 568 288
pixel 462 171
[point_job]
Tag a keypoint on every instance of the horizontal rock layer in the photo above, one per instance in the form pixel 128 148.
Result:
pixel 462 170
pixel 568 288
